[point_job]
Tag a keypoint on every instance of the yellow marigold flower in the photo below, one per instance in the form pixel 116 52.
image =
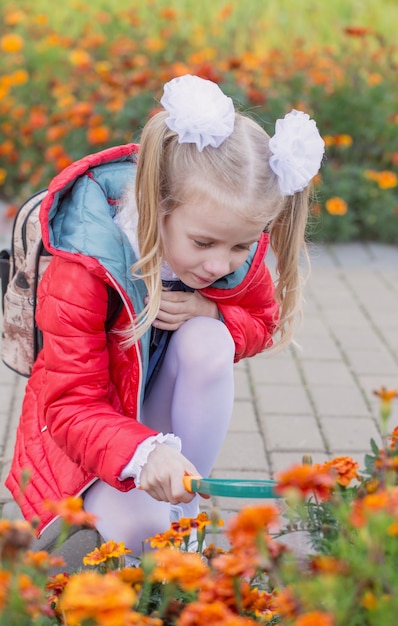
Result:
pixel 336 206
pixel 11 43
pixel 80 58
pixel 343 140
pixel 369 601
pixel 102 598
pixel 106 552
pixel 41 19
pixel 155 44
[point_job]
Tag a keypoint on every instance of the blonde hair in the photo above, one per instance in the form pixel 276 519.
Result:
pixel 236 174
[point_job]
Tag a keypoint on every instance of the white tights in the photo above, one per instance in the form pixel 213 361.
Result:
pixel 192 397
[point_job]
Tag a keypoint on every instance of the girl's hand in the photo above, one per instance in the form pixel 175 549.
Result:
pixel 162 475
pixel 176 307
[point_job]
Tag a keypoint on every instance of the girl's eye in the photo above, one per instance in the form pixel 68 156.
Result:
pixel 202 244
pixel 243 247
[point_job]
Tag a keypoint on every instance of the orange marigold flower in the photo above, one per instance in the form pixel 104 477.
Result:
pixel 357 31
pixel 106 552
pixel 393 438
pixel 374 78
pixel 5 580
pixel 387 180
pixel 56 132
pixel 42 560
pixel 386 395
pixel 6 147
pixel 19 77
pixel 11 211
pixel 345 468
pixel 167 539
pixel 233 565
pixel 336 206
pixel 385 501
pixel 98 135
pixel 250 522
pixel 184 526
pixel 286 604
pixel 314 618
pixel 329 140
pixel 326 564
pixel 306 479
pixel 168 13
pixel 71 511
pixel 11 43
pixel 102 598
pixel 57 583
pixel 187 569
pixel 385 462
pixel 203 520
pixel 197 613
pixel 224 13
pixel 133 576
pixel 14 17
pixel 62 161
pixel 16 536
pixel 3 175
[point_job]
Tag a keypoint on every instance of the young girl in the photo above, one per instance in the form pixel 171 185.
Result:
pixel 178 228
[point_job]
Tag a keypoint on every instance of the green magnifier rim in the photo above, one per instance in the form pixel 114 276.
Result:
pixel 234 488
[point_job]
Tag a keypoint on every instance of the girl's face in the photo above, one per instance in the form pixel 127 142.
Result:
pixel 203 242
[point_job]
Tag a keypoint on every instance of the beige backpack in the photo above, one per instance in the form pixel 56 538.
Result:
pixel 22 268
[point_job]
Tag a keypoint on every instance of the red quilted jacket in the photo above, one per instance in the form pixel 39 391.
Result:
pixel 79 416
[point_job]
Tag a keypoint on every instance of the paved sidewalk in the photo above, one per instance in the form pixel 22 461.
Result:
pixel 313 398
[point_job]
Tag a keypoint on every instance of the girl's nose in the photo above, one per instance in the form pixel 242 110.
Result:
pixel 218 266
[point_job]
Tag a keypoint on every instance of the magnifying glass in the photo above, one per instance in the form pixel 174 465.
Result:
pixel 233 488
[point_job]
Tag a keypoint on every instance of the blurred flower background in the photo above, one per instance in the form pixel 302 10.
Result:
pixel 86 76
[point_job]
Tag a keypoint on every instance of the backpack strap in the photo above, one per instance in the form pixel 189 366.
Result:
pixel 4 272
pixel 115 306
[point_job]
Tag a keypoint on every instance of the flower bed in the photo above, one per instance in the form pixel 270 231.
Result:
pixel 66 92
pixel 348 575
